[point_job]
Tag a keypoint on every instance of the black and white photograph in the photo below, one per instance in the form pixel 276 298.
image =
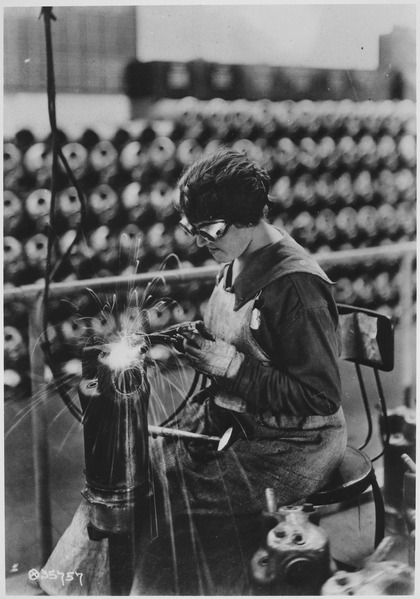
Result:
pixel 209 299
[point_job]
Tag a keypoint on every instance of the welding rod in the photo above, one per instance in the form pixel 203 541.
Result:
pixel 173 432
pixel 162 431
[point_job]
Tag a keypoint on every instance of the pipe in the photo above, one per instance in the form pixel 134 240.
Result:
pixel 104 283
pixel 40 434
pixel 202 272
pixel 406 326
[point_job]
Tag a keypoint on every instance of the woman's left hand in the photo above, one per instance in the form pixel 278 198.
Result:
pixel 212 357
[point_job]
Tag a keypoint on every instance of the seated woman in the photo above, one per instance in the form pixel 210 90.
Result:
pixel 270 348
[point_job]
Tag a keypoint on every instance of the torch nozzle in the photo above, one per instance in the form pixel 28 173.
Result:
pixel 170 336
pixel 174 335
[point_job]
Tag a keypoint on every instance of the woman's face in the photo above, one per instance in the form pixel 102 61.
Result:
pixel 233 244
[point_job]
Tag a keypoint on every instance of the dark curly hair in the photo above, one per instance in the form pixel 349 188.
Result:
pixel 224 185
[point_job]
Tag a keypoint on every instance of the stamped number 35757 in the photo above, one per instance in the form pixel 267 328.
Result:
pixel 55 575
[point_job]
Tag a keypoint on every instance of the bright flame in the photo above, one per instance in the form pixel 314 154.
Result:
pixel 123 354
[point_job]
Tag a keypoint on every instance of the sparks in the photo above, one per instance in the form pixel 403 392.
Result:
pixel 123 354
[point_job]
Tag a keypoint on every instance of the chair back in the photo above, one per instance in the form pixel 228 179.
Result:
pixel 367 339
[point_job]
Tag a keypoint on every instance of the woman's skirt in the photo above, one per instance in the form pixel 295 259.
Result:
pixel 210 504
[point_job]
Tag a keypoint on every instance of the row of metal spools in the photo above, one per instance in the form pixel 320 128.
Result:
pixel 324 212
pixel 227 120
pixel 332 189
pixel 144 204
pixel 149 157
pixel 107 249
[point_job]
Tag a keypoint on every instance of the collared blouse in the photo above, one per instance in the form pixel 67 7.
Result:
pixel 298 329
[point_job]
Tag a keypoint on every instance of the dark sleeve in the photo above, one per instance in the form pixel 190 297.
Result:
pixel 299 331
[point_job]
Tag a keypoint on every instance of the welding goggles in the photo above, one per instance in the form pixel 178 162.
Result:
pixel 209 231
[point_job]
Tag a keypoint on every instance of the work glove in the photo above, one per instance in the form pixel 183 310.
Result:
pixel 213 357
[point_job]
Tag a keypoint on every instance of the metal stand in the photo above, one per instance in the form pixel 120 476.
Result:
pixel 116 464
pixel 122 551
pixel 40 434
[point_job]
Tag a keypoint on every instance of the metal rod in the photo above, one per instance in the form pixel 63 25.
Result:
pixel 162 431
pixel 409 462
pixel 122 551
pixel 40 434
pixel 397 251
pixel 406 299
pixel 366 406
pixel 105 283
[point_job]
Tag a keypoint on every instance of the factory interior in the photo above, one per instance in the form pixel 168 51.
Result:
pixel 95 140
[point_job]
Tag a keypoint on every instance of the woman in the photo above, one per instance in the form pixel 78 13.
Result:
pixel 269 347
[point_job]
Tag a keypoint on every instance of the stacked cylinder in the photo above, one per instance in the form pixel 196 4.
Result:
pixel 342 174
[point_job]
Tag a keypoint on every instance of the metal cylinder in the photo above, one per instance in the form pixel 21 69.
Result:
pixel 116 448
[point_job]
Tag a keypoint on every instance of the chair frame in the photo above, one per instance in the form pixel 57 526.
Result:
pixel 386 343
pixel 353 489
